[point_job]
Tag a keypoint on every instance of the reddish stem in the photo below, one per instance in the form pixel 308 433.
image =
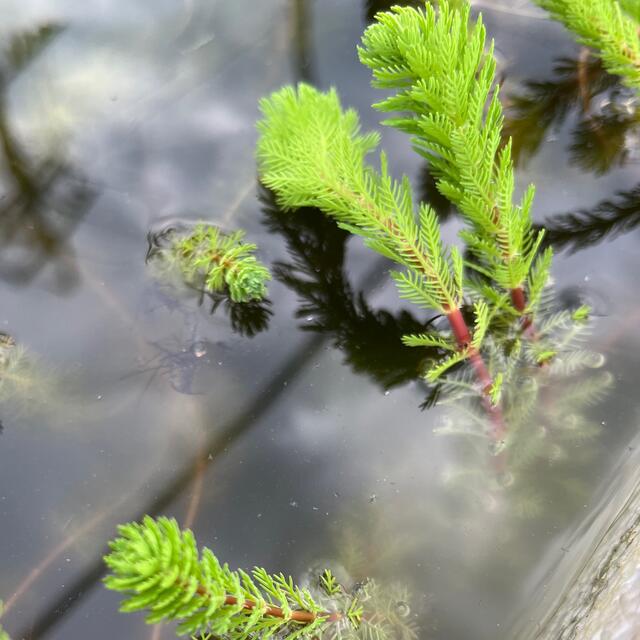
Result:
pixel 463 340
pixel 518 299
pixel 520 303
pixel 297 615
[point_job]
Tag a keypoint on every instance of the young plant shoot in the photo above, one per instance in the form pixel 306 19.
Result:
pixel 220 262
pixel 444 80
pixel 609 27
pixel 311 153
pixel 160 570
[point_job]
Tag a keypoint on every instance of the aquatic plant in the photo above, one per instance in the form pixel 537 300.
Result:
pixel 3 634
pixel 445 89
pixel 214 262
pixel 609 27
pixel 159 569
pixel 608 114
pixel 169 255
pixel 27 385
pixel 311 153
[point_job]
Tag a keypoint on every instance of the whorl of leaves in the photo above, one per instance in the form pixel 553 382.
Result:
pixel 222 261
pixel 444 87
pixel 610 27
pixel 311 153
pixel 159 569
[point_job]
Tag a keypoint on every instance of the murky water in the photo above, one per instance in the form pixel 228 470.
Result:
pixel 294 435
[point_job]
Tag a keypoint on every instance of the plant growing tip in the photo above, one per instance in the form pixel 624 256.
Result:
pixel 443 75
pixel 160 570
pixel 218 262
pixel 610 27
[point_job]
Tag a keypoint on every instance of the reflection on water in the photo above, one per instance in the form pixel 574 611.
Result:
pixel 369 339
pixel 606 220
pixel 271 448
pixel 604 135
pixel 43 199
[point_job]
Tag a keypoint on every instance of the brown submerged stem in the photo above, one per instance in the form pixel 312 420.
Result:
pixel 271 611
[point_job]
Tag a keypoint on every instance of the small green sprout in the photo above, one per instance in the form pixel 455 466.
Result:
pixel 221 262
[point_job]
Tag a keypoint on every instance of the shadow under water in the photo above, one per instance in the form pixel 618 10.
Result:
pixel 371 340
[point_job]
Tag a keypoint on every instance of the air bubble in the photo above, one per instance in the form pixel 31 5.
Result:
pixel 199 349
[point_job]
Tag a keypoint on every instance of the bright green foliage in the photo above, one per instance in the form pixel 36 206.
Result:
pixel 222 261
pixel 159 569
pixel 610 27
pixel 311 153
pixel 482 321
pixel 632 7
pixel 444 82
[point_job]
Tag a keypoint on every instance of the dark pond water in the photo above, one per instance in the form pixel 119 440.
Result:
pixel 292 436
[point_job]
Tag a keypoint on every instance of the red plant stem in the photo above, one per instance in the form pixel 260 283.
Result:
pixel 520 303
pixel 463 340
pixel 518 299
pixel 297 615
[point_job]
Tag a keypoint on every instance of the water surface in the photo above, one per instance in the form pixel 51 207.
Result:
pixel 304 442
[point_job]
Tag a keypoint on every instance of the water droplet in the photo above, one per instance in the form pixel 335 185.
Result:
pixel 99 397
pixel 372 498
pixel 386 393
pixel 199 349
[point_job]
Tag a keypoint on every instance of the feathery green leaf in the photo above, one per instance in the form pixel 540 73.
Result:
pixel 443 77
pixel 311 153
pixel 610 27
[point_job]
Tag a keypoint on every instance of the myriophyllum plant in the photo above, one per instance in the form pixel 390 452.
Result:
pixel 609 27
pixel 443 77
pixel 311 152
pixel 160 570
pixel 218 262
